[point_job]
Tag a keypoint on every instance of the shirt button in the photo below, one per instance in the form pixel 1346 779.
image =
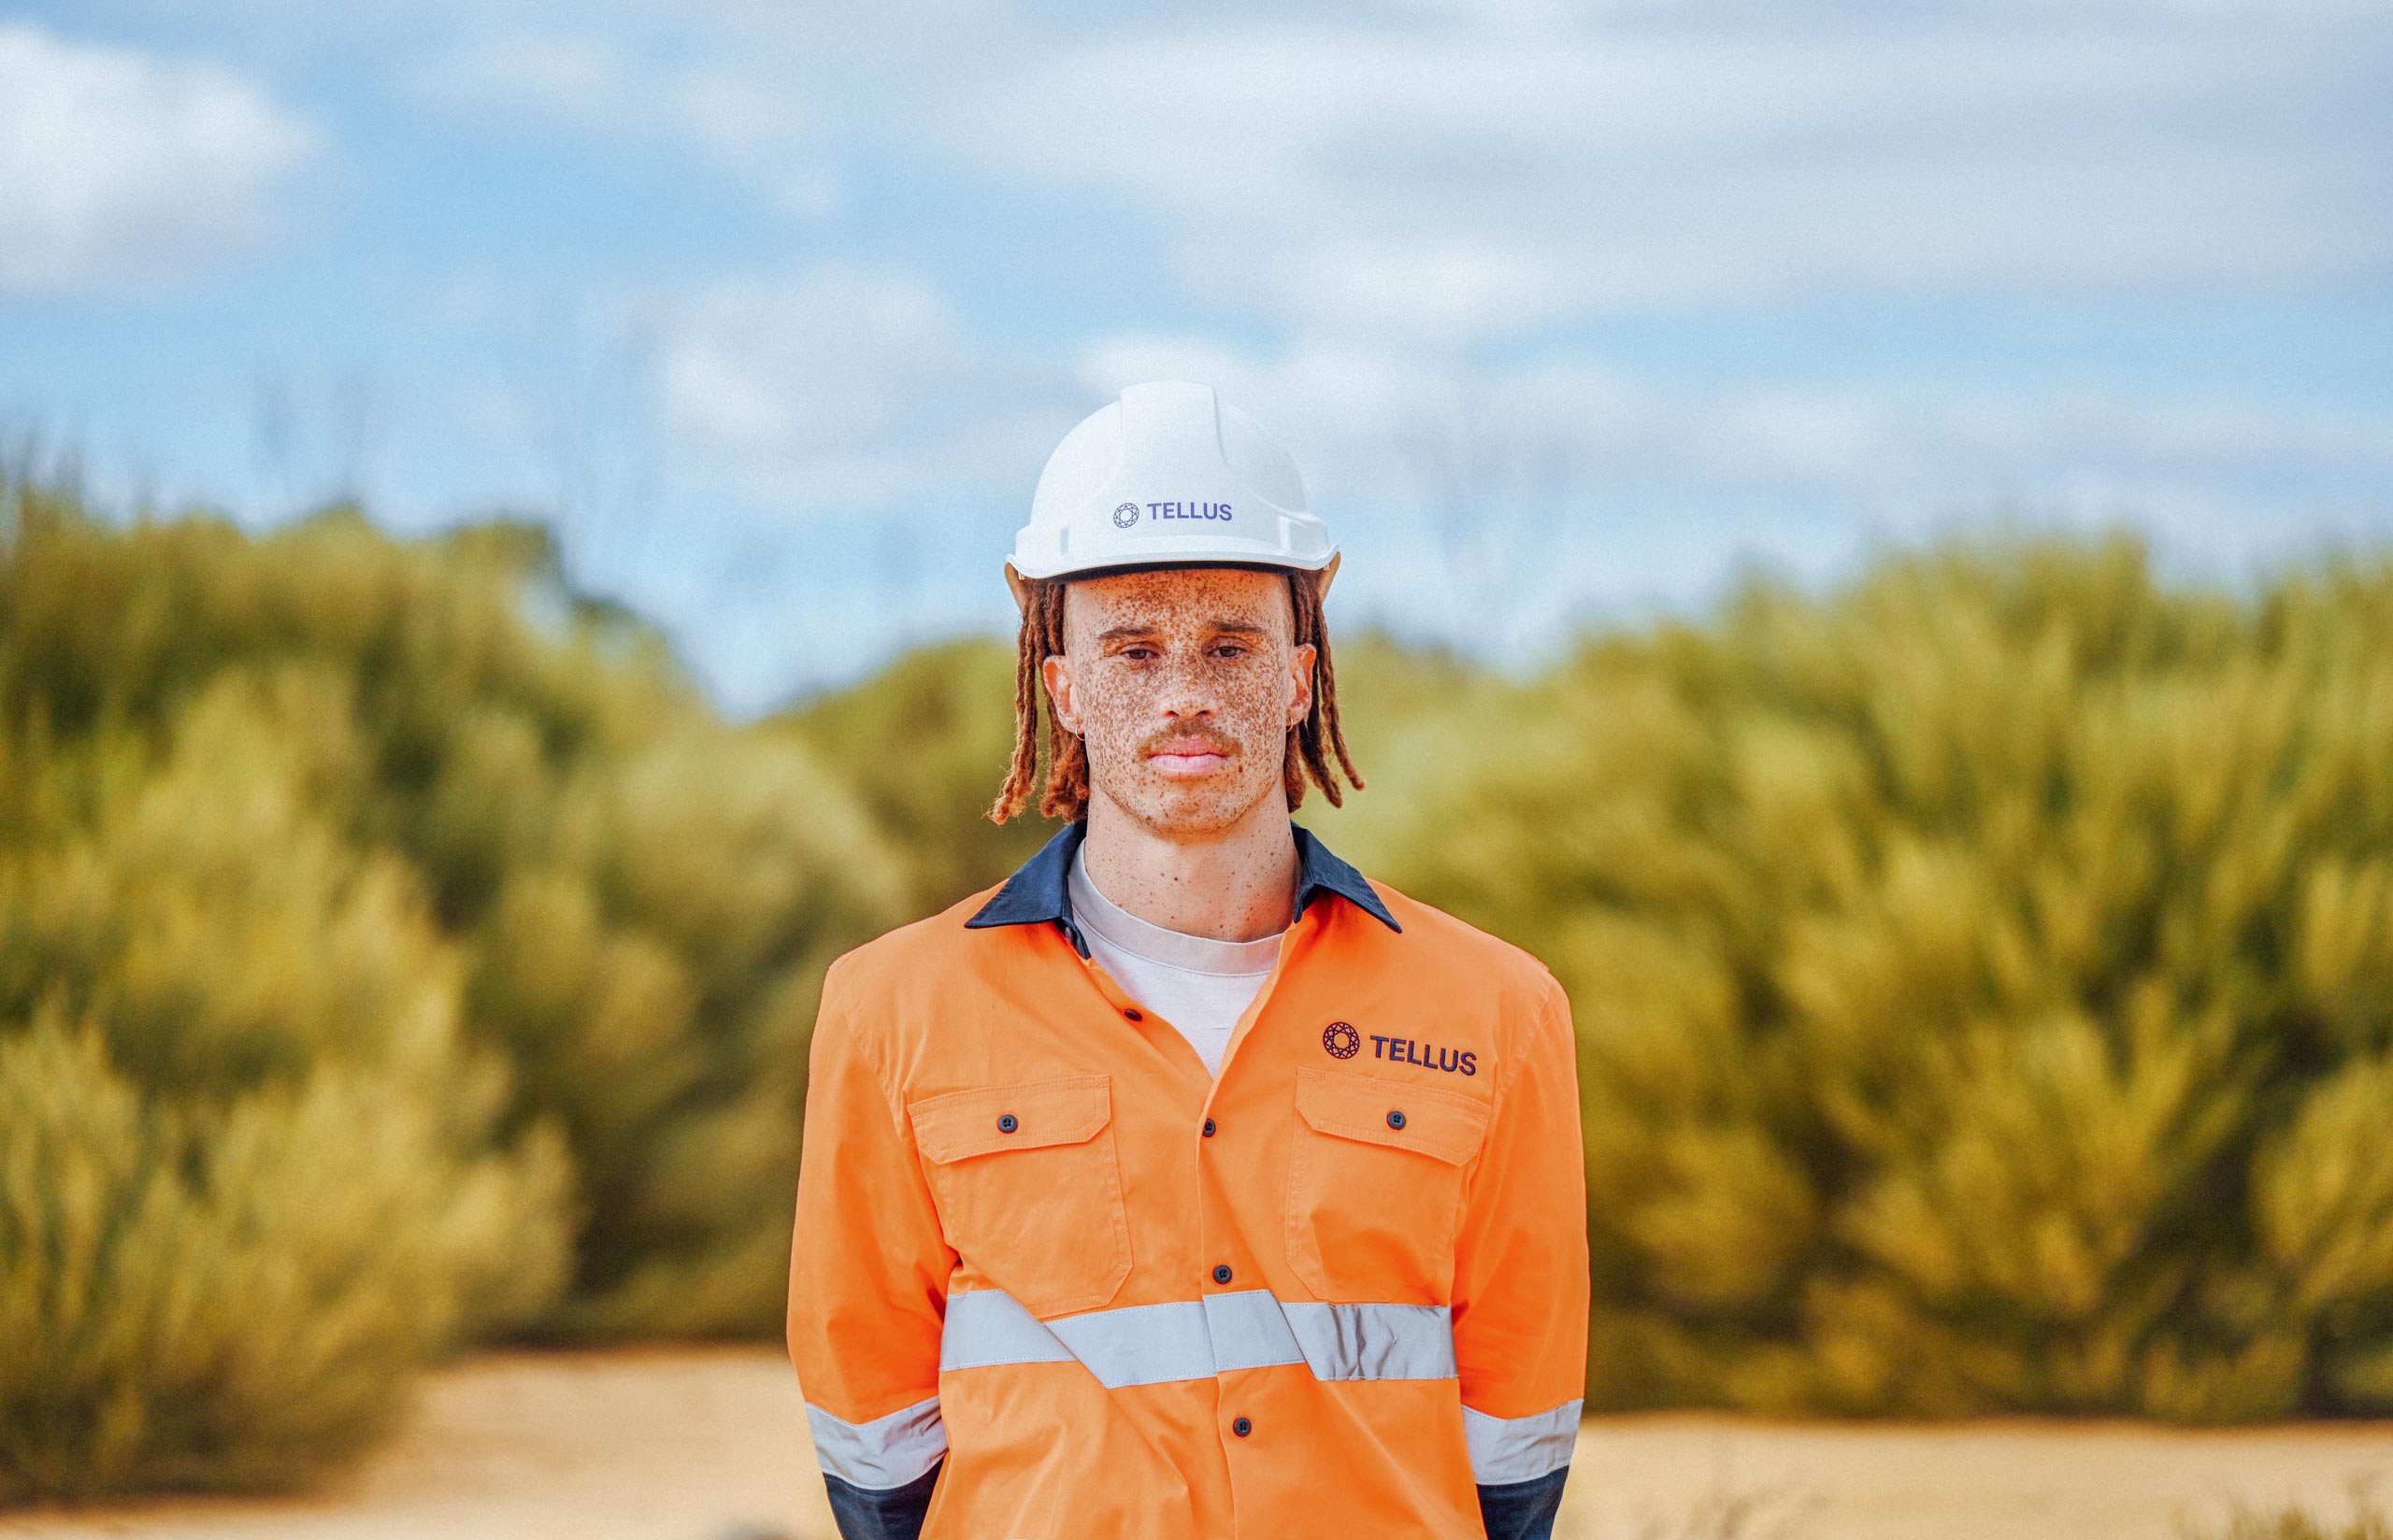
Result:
pixel 1242 1427
pixel 1208 1128
pixel 1221 1273
pixel 1396 1120
pixel 1134 1015
pixel 1006 1124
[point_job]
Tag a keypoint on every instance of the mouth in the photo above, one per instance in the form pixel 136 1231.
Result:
pixel 1186 757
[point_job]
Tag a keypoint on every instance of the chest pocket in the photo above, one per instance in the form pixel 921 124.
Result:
pixel 1376 1185
pixel 1029 1189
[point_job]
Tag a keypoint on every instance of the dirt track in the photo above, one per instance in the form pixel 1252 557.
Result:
pixel 712 1446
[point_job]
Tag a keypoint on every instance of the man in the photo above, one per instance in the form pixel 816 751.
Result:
pixel 1187 1183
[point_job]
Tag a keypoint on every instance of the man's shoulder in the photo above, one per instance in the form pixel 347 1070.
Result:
pixel 1530 1011
pixel 1455 947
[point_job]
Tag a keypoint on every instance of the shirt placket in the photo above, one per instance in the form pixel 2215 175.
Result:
pixel 1236 1306
pixel 1226 1284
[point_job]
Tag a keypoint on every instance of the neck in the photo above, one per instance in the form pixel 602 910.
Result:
pixel 1233 884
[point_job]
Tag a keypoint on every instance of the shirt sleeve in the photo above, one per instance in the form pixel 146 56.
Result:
pixel 868 1288
pixel 1520 1301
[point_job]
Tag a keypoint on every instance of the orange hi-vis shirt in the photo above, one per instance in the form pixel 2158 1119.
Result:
pixel 1051 1281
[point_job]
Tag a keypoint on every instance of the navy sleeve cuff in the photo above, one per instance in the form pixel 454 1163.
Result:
pixel 1523 1510
pixel 896 1513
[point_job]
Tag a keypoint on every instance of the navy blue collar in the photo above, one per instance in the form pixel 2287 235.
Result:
pixel 1037 890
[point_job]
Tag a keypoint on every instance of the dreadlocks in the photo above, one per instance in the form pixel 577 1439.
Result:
pixel 1064 795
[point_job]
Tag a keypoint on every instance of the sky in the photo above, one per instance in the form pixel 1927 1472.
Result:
pixel 1570 314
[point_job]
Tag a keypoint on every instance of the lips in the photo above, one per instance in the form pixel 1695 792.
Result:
pixel 1187 756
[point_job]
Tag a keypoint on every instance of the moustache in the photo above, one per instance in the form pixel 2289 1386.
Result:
pixel 1181 741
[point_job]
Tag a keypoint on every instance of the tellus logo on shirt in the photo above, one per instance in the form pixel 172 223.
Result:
pixel 1342 1041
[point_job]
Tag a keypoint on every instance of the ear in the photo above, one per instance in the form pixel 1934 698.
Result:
pixel 1056 673
pixel 1301 657
pixel 1020 587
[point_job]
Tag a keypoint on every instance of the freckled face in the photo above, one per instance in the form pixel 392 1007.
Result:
pixel 1183 682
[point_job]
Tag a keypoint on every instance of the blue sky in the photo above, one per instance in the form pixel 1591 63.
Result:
pixel 1567 310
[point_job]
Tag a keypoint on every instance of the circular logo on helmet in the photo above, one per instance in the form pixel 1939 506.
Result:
pixel 1341 1040
pixel 1125 515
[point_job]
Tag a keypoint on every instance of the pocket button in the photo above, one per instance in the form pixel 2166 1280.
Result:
pixel 1396 1120
pixel 1006 1123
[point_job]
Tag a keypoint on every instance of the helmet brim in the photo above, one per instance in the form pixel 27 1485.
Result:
pixel 1019 585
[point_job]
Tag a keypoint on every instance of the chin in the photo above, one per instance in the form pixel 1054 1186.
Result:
pixel 1206 806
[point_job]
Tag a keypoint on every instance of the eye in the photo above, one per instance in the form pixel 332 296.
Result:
pixel 1231 649
pixel 1138 653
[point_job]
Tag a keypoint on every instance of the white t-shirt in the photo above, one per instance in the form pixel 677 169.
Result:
pixel 1199 985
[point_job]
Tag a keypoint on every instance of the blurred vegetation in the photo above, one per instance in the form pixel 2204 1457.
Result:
pixel 1983 973
pixel 925 743
pixel 394 952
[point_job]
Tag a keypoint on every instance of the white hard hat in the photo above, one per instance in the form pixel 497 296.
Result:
pixel 1167 475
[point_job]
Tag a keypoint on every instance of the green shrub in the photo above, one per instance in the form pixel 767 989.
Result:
pixel 235 1295
pixel 394 952
pixel 1984 979
pixel 638 898
pixel 249 1177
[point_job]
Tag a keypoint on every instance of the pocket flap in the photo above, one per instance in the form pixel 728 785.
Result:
pixel 964 1123
pixel 1441 1124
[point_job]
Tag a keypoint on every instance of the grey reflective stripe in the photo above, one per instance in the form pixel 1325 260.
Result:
pixel 1505 1449
pixel 1195 1339
pixel 888 1451
pixel 989 1326
pixel 1141 1344
pixel 1251 1331
pixel 1375 1341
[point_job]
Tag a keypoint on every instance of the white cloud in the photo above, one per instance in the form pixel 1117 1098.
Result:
pixel 1447 184
pixel 126 170
pixel 1445 172
pixel 1431 170
pixel 850 386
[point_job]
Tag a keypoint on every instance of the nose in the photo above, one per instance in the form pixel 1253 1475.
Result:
pixel 1187 691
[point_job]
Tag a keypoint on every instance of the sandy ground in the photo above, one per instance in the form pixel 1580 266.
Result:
pixel 712 1446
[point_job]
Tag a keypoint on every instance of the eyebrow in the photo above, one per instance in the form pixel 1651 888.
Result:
pixel 1235 626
